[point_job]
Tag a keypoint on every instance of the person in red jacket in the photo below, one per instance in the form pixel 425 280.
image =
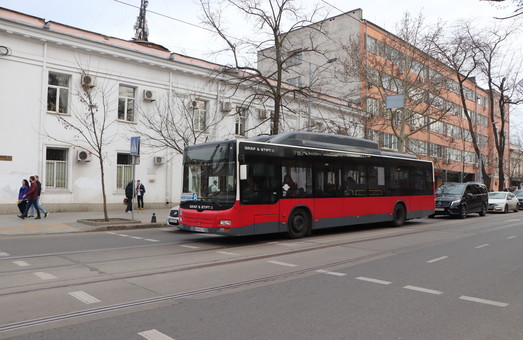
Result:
pixel 32 197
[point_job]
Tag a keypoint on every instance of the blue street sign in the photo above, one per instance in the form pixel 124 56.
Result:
pixel 135 146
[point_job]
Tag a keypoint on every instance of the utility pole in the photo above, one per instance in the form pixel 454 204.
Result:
pixel 141 29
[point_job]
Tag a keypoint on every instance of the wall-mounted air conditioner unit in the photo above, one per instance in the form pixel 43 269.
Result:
pixel 84 156
pixel 149 95
pixel 226 107
pixel 191 105
pixel 87 80
pixel 159 160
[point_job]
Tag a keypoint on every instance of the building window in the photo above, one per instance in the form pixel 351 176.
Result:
pixel 56 168
pixel 58 92
pixel 124 170
pixel 126 103
pixel 241 114
pixel 200 115
pixel 390 141
pixel 295 81
pixel 294 58
pixel 372 44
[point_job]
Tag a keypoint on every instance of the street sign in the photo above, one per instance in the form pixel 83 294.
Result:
pixel 135 146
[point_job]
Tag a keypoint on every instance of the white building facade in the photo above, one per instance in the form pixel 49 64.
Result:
pixel 44 67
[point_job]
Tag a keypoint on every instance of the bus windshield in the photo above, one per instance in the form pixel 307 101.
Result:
pixel 209 176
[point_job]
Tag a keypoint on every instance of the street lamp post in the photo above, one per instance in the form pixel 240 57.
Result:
pixel 309 96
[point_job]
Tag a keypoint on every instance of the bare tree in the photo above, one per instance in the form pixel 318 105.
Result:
pixel 500 69
pixel 456 50
pixel 90 125
pixel 268 19
pixel 398 65
pixel 517 12
pixel 177 122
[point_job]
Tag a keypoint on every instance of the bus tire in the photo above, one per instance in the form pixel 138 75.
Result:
pixel 299 224
pixel 399 216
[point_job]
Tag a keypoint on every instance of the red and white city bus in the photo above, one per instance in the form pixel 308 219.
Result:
pixel 300 181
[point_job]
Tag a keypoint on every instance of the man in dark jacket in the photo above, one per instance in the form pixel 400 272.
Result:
pixel 38 205
pixel 32 197
pixel 129 193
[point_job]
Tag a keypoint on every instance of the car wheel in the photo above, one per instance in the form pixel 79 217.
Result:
pixel 506 209
pixel 483 211
pixel 463 212
pixel 516 209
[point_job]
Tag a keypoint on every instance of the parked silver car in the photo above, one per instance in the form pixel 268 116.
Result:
pixel 502 201
pixel 172 217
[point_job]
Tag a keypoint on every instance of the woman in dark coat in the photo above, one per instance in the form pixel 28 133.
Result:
pixel 22 201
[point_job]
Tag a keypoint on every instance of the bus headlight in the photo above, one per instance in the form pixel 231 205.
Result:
pixel 225 222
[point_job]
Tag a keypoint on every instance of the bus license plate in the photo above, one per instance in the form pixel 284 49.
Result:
pixel 200 230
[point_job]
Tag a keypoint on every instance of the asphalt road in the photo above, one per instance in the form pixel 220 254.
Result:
pixel 431 279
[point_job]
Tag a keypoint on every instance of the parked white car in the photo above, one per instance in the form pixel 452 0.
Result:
pixel 502 201
pixel 172 217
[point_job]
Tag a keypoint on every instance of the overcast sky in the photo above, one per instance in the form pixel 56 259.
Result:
pixel 115 18
pixel 177 28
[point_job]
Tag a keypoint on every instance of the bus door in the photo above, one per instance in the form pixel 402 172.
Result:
pixel 259 194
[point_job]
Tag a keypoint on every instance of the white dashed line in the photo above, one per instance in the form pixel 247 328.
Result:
pixel 21 263
pixel 514 220
pixel 330 273
pixel 153 334
pixel 283 264
pixel 151 240
pixel 368 279
pixel 45 276
pixel 482 246
pixel 487 302
pixel 438 259
pixel 190 247
pixel 123 235
pixel 84 297
pixel 424 290
pixel 511 237
pixel 3 253
pixel 112 233
pixel 137 238
pixel 227 253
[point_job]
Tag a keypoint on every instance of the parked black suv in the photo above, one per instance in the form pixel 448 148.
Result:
pixel 460 199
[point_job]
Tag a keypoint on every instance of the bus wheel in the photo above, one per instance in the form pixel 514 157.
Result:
pixel 400 215
pixel 298 225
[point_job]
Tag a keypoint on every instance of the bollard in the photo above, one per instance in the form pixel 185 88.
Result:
pixel 153 218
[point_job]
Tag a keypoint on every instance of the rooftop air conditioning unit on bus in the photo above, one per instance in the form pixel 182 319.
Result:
pixel 149 95
pixel 87 80
pixel 84 156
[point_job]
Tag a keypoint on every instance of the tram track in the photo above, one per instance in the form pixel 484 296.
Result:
pixel 232 285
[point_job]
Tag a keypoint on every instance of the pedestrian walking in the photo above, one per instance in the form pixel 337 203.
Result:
pixel 140 191
pixel 22 201
pixel 38 206
pixel 32 196
pixel 129 193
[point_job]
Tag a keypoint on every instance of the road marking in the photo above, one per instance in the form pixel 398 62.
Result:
pixel 190 247
pixel 283 263
pixel 45 276
pixel 438 259
pixel 112 233
pixel 368 279
pixel 227 253
pixel 482 246
pixel 151 240
pixel 21 263
pixel 137 238
pixel 330 273
pixel 511 237
pixel 487 302
pixel 3 253
pixel 514 220
pixel 153 334
pixel 84 297
pixel 424 290
pixel 123 235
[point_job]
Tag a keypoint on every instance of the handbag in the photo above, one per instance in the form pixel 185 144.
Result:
pixel 125 201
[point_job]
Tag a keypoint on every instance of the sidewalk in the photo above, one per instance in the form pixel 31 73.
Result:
pixel 66 222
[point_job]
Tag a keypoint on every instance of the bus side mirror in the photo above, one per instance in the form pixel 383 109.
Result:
pixel 243 172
